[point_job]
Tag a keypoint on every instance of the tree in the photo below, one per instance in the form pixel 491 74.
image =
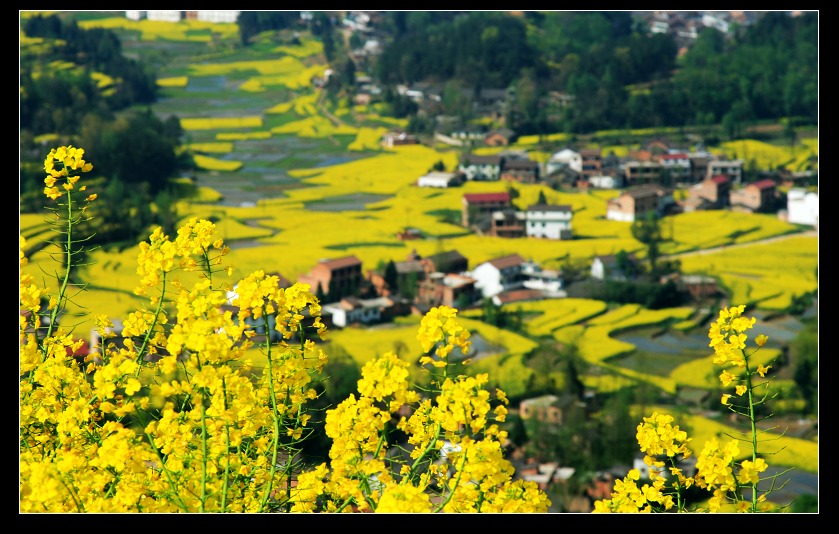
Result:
pixel 648 232
pixel 626 265
pixel 542 200
pixel 805 356
pixel 391 276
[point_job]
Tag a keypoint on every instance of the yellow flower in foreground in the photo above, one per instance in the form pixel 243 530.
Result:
pixel 404 498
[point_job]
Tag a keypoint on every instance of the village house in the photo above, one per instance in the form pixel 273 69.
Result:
pixel 440 179
pixel 803 207
pixel 213 16
pixel 635 203
pixel 408 274
pixel 480 206
pixel 699 166
pixel 676 166
pixel 501 137
pixel 551 222
pixel 522 170
pixel 564 158
pixel 481 168
pixel 711 193
pixel 353 310
pixel 446 289
pixel 548 282
pixel 392 139
pixel 760 196
pixel 499 274
pixel 607 181
pixel 507 223
pixel 592 163
pixel 335 278
pixel 551 408
pixel 731 168
pixel 450 261
pixel 699 287
pixel 642 172
pixel 471 135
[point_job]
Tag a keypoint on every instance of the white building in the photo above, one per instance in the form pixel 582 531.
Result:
pixel 500 274
pixel 354 310
pixel 439 179
pixel 606 181
pixel 552 222
pixel 483 168
pixel 803 207
pixel 731 168
pixel 217 16
pixel 164 15
pixel 565 158
pixel 214 16
pixel 549 282
pixel 676 165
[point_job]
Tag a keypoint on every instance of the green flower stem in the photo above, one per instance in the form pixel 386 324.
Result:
pixel 413 474
pixel 204 438
pixel 752 422
pixel 275 439
pixel 226 481
pixel 453 487
pixel 65 281
pixel 147 338
pixel 172 486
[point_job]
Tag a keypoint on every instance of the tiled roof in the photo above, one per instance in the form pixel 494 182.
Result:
pixel 507 261
pixel 547 207
pixel 340 263
pixel 486 197
pixel 764 184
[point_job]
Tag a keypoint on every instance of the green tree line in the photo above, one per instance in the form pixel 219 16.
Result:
pixel 619 74
pixel 111 122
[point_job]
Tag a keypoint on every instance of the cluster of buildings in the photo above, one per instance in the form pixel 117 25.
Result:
pixel 351 295
pixel 646 179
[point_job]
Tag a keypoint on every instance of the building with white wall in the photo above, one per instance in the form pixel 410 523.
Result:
pixel 217 16
pixel 552 222
pixel 439 179
pixel 803 207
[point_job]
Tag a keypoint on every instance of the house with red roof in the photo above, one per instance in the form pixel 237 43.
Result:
pixel 478 207
pixel 336 278
pixel 760 196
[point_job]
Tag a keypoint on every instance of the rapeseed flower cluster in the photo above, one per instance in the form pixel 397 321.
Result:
pixel 720 467
pixel 169 416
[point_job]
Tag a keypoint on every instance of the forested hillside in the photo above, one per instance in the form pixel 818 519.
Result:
pixel 620 75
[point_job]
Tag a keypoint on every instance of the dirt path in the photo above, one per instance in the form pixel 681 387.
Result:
pixel 811 233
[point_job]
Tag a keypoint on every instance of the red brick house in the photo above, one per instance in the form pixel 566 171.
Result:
pixel 634 203
pixel 760 196
pixel 480 206
pixel 441 289
pixel 342 275
pixel 711 193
